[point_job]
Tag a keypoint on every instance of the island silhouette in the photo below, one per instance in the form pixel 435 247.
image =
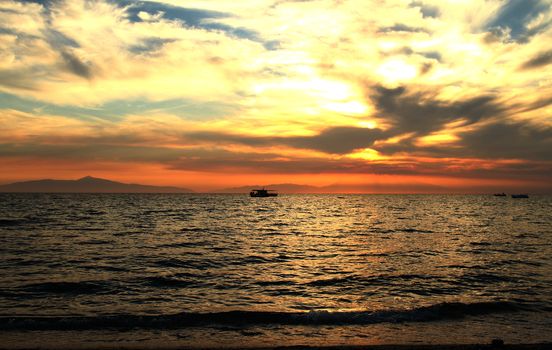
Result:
pixel 87 184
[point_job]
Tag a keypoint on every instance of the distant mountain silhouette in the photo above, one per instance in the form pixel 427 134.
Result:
pixel 87 184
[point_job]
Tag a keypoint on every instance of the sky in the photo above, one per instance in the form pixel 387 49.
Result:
pixel 368 95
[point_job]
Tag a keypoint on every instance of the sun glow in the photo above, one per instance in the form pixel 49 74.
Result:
pixel 366 154
pixel 368 124
pixel 396 70
pixel 435 139
pixel 316 87
pixel 349 107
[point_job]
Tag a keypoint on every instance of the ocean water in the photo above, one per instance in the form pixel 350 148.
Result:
pixel 143 270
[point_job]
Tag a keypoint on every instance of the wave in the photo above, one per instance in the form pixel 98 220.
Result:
pixel 442 311
pixel 25 221
pixel 413 230
pixel 355 280
pixel 11 222
pixel 171 282
pixel 82 287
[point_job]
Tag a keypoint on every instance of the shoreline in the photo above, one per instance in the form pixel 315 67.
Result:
pixel 483 346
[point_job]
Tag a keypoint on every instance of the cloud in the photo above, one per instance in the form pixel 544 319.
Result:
pixel 493 141
pixel 508 140
pixel 155 60
pixel 218 160
pixel 338 140
pixel 426 10
pixel 139 11
pixel 59 40
pixel 76 66
pixel 303 86
pixel 150 45
pixel 422 113
pixel 169 144
pixel 400 27
pixel 334 140
pixel 516 17
pixel 189 16
pixel 542 59
pixel 17 79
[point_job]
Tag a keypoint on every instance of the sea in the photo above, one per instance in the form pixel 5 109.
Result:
pixel 225 270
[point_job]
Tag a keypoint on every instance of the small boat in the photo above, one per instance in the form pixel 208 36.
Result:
pixel 263 193
pixel 500 194
pixel 520 196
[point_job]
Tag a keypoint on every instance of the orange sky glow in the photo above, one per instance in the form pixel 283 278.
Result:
pixel 354 96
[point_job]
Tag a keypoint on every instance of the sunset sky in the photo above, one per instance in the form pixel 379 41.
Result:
pixel 373 95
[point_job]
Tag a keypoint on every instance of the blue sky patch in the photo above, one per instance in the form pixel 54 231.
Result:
pixel 116 110
pixel 191 17
pixel 516 14
pixel 196 18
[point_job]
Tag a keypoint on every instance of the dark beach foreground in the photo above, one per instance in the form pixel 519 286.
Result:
pixel 420 347
pixel 489 346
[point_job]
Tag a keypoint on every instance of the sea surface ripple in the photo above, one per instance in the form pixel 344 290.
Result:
pixel 341 264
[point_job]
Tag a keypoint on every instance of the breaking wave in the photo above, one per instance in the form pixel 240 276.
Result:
pixel 442 311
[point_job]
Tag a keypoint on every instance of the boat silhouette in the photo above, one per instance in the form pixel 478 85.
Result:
pixel 520 196
pixel 263 193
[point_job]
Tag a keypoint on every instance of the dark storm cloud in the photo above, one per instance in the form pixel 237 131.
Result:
pixel 516 14
pixel 400 27
pixel 90 152
pixel 541 60
pixel 421 115
pixel 512 140
pixel 499 140
pixel 404 146
pixel 336 140
pixel 258 163
pixel 419 112
pixel 426 10
pixel 75 65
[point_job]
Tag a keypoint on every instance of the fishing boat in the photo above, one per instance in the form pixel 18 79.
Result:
pixel 520 196
pixel 500 194
pixel 263 193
